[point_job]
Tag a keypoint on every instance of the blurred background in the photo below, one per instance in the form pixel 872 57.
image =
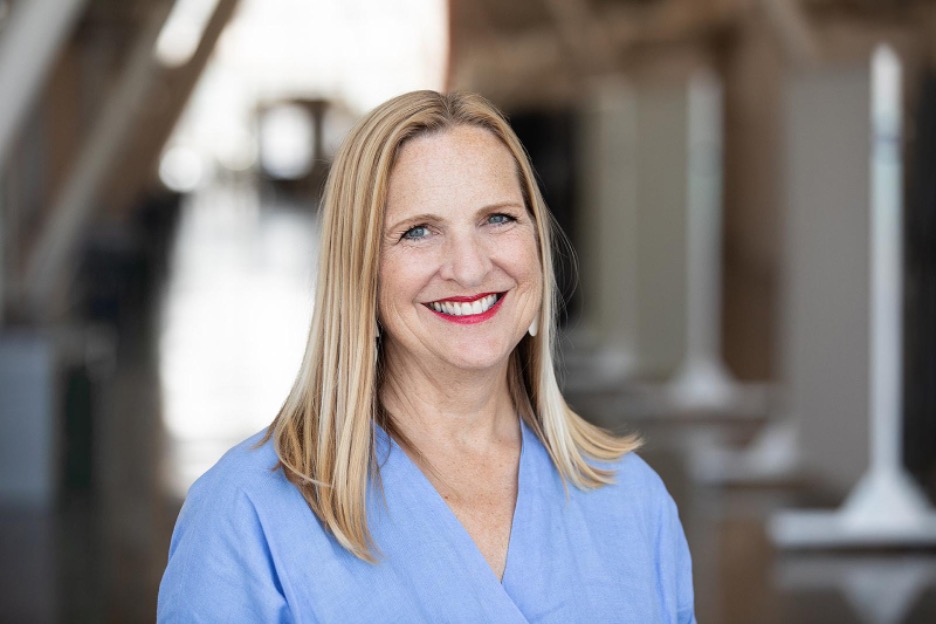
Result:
pixel 749 188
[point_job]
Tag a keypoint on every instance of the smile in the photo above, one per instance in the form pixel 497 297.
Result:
pixel 467 309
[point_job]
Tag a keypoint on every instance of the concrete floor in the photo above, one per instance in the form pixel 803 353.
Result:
pixel 206 360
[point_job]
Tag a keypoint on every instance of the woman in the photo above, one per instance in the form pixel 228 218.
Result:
pixel 425 467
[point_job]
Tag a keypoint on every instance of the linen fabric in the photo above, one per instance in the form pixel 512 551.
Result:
pixel 247 548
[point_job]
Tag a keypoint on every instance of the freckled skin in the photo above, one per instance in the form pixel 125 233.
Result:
pixel 455 177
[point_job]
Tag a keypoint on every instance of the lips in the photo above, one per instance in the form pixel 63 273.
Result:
pixel 473 309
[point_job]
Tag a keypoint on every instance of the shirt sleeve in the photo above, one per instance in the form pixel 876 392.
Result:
pixel 220 567
pixel 675 564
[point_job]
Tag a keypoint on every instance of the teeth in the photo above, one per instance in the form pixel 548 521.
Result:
pixel 452 308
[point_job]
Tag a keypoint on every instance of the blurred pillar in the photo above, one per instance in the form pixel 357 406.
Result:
pixel 28 444
pixel 662 142
pixel 885 507
pixel 3 252
pixel 920 335
pixel 30 40
pixel 608 250
pixel 754 84
pixel 548 133
pixel 53 250
pixel 34 34
pixel 827 285
pixel 702 380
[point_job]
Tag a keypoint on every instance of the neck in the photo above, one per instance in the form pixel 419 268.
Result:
pixel 435 408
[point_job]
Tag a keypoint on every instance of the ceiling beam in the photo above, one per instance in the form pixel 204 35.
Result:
pixel 51 255
pixel 137 168
pixel 32 36
pixel 794 29
pixel 582 35
pixel 580 43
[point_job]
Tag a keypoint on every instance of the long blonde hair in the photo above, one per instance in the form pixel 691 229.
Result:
pixel 324 433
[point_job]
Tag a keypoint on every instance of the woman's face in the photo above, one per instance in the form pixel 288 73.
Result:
pixel 460 279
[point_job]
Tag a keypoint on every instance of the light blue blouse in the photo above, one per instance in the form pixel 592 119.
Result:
pixel 246 548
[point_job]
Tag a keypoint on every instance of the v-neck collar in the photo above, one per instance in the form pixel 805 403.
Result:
pixel 391 457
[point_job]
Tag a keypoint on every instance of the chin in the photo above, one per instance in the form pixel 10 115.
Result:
pixel 478 358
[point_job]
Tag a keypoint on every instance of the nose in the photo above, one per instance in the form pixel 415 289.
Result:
pixel 467 260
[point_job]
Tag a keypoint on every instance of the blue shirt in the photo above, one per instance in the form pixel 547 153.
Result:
pixel 247 548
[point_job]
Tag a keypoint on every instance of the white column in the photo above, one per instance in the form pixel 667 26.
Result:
pixel 701 380
pixel 886 507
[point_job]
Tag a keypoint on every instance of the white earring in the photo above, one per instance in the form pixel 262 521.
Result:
pixel 377 329
pixel 534 327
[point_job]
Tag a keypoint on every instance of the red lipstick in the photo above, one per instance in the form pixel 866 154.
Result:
pixel 468 299
pixel 469 319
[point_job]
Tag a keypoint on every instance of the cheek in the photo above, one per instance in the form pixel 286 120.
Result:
pixel 400 279
pixel 523 258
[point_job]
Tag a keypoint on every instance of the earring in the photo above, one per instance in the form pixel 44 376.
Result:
pixel 534 327
pixel 377 330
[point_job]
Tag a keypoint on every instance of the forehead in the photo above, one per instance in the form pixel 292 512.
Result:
pixel 463 165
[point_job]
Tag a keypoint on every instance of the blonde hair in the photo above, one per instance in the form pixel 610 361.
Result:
pixel 324 434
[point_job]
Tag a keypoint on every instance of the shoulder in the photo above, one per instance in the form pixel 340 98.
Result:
pixel 241 494
pixel 248 472
pixel 221 503
pixel 636 505
pixel 635 514
pixel 636 483
pixel 221 562
pixel 247 466
pixel 631 469
pixel 640 490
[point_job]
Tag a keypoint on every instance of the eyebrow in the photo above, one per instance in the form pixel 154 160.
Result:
pixel 429 217
pixel 420 218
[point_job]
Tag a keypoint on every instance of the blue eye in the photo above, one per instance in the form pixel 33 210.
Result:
pixel 416 233
pixel 500 219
